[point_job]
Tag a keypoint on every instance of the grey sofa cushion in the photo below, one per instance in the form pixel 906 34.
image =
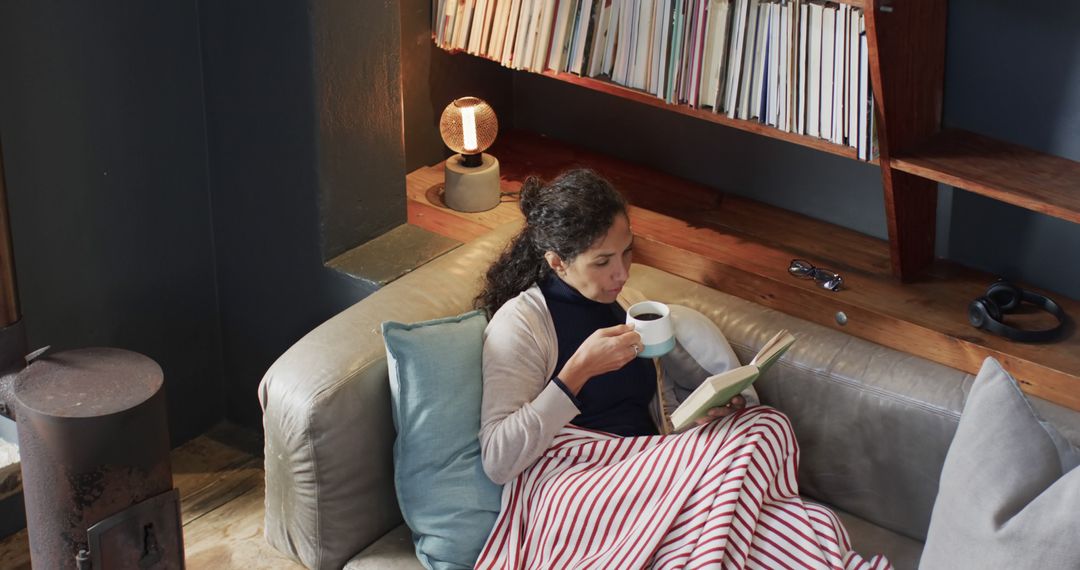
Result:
pixel 868 538
pixel 394 551
pixel 1010 492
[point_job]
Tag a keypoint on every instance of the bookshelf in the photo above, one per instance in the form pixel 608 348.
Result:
pixel 900 295
pixel 603 83
pixel 906 44
pixel 743 248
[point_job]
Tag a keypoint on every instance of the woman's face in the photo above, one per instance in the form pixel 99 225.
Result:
pixel 599 272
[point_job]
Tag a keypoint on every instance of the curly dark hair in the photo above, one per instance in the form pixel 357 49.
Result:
pixel 565 216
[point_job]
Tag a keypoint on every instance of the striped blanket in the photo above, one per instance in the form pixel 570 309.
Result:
pixel 723 495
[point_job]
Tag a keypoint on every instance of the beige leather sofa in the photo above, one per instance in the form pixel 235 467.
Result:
pixel 873 424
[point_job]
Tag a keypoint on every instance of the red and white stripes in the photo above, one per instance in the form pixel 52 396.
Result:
pixel 724 495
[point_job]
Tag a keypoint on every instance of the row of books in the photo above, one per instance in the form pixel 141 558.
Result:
pixel 800 66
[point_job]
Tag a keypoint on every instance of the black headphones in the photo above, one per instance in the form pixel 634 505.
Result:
pixel 1003 297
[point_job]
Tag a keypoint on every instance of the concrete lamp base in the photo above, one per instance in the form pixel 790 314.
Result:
pixel 472 189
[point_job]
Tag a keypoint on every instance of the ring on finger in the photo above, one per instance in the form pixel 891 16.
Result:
pixel 636 348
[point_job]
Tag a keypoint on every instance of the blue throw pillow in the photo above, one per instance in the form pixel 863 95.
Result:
pixel 436 386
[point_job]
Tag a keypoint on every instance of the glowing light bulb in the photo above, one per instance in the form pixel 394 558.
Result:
pixel 468 128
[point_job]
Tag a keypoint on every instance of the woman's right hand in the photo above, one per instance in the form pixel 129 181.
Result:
pixel 603 351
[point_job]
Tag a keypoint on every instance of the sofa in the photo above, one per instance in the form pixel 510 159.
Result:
pixel 873 424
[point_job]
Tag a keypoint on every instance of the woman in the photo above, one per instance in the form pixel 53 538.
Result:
pixel 570 419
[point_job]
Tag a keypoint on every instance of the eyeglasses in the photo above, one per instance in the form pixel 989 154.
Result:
pixel 827 278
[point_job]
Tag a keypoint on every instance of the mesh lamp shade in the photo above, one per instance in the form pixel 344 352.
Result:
pixel 468 126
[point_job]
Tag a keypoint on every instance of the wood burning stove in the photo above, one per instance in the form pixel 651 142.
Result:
pixel 95 458
pixel 94 444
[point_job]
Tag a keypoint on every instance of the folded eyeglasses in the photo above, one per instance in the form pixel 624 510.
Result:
pixel 827 278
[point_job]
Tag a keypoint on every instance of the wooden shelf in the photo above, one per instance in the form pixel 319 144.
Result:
pixel 1002 171
pixel 705 114
pixel 743 248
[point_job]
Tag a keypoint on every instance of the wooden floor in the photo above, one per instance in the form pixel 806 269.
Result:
pixel 220 478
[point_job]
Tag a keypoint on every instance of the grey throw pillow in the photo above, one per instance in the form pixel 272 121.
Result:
pixel 1009 494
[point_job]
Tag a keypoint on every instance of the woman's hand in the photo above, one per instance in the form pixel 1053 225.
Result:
pixel 605 350
pixel 737 403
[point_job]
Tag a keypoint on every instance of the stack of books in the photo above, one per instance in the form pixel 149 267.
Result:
pixel 799 66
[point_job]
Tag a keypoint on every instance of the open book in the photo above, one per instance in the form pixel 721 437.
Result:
pixel 719 389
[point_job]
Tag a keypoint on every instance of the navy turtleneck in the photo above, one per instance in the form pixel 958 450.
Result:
pixel 618 401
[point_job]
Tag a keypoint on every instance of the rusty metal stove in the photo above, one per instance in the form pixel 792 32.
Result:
pixel 94 443
pixel 95 458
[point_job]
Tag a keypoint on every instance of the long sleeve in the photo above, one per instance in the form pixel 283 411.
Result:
pixel 521 411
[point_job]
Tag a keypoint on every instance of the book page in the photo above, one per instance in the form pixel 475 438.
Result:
pixel 773 349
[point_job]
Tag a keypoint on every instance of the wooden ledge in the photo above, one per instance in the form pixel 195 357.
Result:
pixel 391 255
pixel 1003 171
pixel 743 247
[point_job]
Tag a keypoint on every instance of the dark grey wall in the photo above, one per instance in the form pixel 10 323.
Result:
pixel 149 147
pixel 102 126
pixel 1012 71
pixel 290 137
pixel 357 49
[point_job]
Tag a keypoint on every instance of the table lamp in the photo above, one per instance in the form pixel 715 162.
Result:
pixel 468 126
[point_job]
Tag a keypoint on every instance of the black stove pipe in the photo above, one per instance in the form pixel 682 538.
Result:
pixel 12 333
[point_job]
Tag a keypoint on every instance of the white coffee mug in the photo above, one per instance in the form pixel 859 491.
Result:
pixel 652 321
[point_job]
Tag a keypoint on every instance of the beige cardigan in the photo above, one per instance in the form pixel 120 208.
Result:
pixel 522 411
